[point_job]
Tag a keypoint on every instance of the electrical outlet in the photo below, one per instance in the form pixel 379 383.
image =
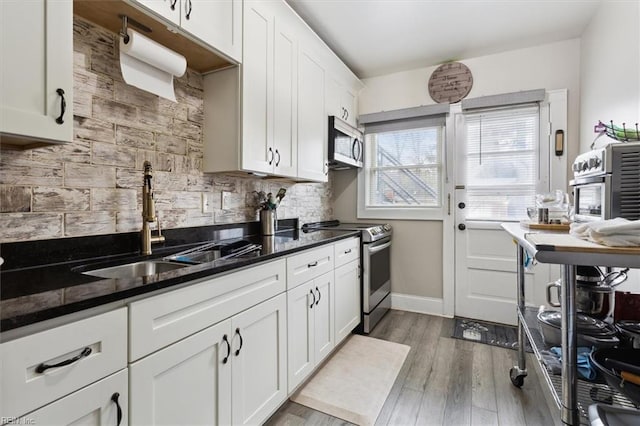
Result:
pixel 207 203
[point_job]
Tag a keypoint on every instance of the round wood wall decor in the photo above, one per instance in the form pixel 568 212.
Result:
pixel 450 82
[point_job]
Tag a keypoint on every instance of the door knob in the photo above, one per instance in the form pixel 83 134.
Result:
pixel 462 227
pixel 461 205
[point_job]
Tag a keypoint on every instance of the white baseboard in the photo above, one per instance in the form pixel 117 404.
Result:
pixel 420 304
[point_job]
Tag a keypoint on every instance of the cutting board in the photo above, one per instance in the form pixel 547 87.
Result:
pixel 545 226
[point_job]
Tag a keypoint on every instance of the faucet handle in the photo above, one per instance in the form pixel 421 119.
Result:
pixel 158 222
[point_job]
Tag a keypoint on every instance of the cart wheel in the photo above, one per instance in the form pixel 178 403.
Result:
pixel 517 378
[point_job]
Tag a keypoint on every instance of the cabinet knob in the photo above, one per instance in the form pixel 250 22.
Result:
pixel 63 106
pixel 115 398
pixel 225 339
pixel 43 367
pixel 188 8
pixel 241 341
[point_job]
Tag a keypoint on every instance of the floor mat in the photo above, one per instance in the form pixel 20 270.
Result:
pixel 504 336
pixel 354 384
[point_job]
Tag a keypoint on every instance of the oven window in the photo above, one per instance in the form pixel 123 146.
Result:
pixel 589 200
pixel 380 269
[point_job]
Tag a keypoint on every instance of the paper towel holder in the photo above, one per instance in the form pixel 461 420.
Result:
pixel 126 21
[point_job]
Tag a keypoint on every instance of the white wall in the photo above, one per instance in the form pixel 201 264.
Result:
pixel 417 251
pixel 610 68
pixel 610 71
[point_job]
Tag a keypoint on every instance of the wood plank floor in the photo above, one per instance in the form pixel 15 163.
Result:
pixel 445 381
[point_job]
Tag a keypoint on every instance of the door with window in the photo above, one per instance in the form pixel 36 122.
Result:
pixel 500 165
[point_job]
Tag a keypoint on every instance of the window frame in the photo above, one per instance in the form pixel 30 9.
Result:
pixel 404 212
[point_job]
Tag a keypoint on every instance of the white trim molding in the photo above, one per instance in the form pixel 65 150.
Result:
pixel 420 304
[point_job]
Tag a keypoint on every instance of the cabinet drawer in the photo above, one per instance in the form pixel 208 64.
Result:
pixel 23 388
pixel 346 251
pixel 308 265
pixel 159 321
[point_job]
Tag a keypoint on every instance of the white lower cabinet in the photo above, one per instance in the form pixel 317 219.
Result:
pixel 259 367
pixel 187 383
pixel 310 326
pixel 233 372
pixel 104 403
pixel 347 297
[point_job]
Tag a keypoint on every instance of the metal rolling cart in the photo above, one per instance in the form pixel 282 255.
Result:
pixel 572 395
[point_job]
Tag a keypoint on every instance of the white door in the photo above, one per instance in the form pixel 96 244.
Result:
pixel 168 9
pixel 217 23
pixel 323 308
pixel 257 88
pixel 312 120
pixel 187 383
pixel 103 403
pixel 285 113
pixel 300 333
pixel 500 167
pixel 259 367
pixel 36 69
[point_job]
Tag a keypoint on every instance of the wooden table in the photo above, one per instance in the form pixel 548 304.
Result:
pixel 569 252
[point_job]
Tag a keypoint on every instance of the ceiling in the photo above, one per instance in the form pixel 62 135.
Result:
pixel 376 37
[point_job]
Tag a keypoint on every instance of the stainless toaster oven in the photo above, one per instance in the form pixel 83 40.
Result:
pixel 606 183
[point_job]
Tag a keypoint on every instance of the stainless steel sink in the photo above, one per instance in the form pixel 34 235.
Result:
pixel 135 270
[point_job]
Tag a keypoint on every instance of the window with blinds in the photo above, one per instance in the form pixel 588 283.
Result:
pixel 501 164
pixel 404 167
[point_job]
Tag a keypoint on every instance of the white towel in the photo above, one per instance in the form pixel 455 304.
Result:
pixel 616 232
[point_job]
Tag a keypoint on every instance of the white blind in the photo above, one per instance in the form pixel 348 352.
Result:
pixel 501 163
pixel 404 167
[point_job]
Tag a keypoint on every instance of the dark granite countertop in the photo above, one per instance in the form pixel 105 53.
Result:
pixel 49 283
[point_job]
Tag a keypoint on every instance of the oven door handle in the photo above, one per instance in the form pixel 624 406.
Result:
pixel 376 249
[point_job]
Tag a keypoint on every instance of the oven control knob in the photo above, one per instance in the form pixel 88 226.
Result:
pixel 387 227
pixel 584 166
pixel 374 231
pixel 576 167
pixel 593 162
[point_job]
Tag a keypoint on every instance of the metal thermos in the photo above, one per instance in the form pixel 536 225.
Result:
pixel 268 223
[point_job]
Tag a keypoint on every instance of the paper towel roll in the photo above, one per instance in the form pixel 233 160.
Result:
pixel 149 65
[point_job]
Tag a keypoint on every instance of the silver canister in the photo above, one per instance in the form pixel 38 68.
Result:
pixel 543 215
pixel 268 224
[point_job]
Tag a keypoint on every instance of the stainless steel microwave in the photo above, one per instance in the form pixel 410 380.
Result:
pixel 346 145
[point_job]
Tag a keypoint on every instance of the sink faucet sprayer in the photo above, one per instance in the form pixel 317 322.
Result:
pixel 149 212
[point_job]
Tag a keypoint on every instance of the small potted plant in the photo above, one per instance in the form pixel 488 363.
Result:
pixel 268 204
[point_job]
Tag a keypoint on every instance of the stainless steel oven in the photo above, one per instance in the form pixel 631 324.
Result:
pixel 376 267
pixel 606 183
pixel 375 260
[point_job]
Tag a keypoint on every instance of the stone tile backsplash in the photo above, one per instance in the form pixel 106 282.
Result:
pixel 94 184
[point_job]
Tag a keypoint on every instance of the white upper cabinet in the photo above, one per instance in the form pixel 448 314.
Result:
pixel 342 100
pixel 36 71
pixel 269 116
pixel 217 23
pixel 257 89
pixel 312 119
pixel 168 9
pixel 285 90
